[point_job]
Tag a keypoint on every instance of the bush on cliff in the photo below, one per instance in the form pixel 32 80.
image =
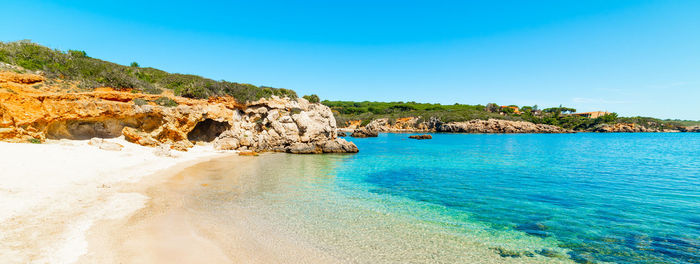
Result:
pixel 312 98
pixel 165 101
pixel 91 73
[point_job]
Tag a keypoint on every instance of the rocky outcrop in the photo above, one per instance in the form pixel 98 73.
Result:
pixel 622 127
pixel 406 124
pixel 37 112
pixel 691 129
pixel 498 126
pixel 419 137
pixel 364 132
pixel 412 124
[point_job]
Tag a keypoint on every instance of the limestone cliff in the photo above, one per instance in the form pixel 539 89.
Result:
pixel 33 110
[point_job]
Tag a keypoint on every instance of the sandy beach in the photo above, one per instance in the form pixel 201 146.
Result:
pixel 170 229
pixel 52 193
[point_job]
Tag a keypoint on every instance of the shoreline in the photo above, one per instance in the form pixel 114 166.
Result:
pixel 51 194
pixel 167 230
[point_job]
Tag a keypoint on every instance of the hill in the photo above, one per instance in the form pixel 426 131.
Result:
pixel 90 73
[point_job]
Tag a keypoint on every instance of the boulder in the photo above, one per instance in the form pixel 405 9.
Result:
pixel 419 137
pixel 304 148
pixel 338 146
pixel 364 132
pixel 226 144
pixel 136 136
pixel 105 145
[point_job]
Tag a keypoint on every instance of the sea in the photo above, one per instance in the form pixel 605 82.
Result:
pixel 473 198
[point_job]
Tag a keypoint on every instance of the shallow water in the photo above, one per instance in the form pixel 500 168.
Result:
pixel 624 198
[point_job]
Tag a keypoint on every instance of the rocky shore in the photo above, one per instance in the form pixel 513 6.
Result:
pixel 415 125
pixel 32 111
pixel 412 124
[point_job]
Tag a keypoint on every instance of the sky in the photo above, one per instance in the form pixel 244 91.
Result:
pixel 630 57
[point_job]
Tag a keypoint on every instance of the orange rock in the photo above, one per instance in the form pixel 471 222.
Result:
pixel 248 153
pixel 30 110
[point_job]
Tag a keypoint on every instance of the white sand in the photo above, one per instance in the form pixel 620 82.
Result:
pixel 50 194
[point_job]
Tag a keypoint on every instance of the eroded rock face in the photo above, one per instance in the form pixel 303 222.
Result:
pixel 283 125
pixel 273 124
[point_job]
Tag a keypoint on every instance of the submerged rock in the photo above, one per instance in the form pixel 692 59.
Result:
pixel 419 137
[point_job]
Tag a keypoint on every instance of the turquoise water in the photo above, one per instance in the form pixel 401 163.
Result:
pixel 625 198
pixel 476 198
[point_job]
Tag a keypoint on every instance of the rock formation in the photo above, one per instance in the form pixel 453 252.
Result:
pixel 30 110
pixel 412 124
pixel 364 132
pixel 622 127
pixel 691 129
pixel 419 137
pixel 499 126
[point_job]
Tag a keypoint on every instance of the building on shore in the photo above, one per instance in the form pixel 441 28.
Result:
pixel 594 114
pixel 516 110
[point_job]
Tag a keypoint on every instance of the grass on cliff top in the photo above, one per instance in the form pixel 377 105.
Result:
pixel 91 73
pixel 557 116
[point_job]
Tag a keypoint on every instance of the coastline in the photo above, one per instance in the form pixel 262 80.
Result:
pixel 47 210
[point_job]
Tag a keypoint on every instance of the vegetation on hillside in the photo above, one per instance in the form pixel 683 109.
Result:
pixel 91 73
pixel 367 111
pixel 557 116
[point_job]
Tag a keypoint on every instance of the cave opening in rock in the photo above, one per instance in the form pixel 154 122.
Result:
pixel 207 130
pixel 99 127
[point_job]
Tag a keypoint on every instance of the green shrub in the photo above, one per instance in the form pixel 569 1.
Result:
pixel 90 73
pixel 140 102
pixel 34 141
pixel 165 101
pixel 77 53
pixel 312 98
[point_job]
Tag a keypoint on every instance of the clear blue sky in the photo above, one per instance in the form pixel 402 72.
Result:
pixel 630 57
